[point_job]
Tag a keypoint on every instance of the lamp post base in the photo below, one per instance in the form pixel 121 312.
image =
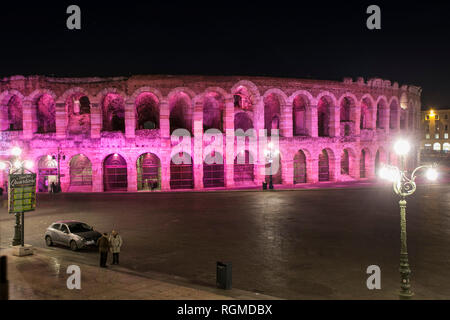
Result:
pixel 21 251
pixel 405 295
pixel 17 240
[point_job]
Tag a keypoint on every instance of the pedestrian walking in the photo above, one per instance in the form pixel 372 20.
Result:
pixel 103 247
pixel 115 242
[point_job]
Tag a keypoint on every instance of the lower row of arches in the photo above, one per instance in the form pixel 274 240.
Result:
pixel 148 170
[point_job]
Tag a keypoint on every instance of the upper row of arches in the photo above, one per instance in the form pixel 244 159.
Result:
pixel 181 104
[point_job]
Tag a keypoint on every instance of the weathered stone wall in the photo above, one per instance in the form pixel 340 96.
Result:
pixel 98 117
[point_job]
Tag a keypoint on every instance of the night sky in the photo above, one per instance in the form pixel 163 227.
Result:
pixel 322 40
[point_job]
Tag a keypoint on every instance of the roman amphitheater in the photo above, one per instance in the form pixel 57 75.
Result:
pixel 116 134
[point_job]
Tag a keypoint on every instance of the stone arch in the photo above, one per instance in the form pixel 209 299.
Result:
pixel 181 109
pixel 348 162
pixel 147 110
pixel 213 172
pixel 78 109
pixel 301 102
pixel 381 106
pixel 139 91
pixel 11 110
pixel 43 111
pixel 274 104
pixel 365 163
pixel 47 172
pixel 213 106
pixel 113 110
pixel 148 169
pixel 80 170
pixel 367 104
pixel 394 113
pixel 115 173
pixel 252 89
pixel 181 172
pixel 326 163
pixel 347 103
pixel 300 166
pixel 325 103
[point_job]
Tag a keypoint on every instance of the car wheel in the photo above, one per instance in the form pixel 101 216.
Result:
pixel 48 241
pixel 73 246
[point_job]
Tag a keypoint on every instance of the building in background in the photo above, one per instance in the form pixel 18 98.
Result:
pixel 115 134
pixel 435 131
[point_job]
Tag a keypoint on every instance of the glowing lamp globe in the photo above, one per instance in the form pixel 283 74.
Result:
pixel 16 151
pixel 2 166
pixel 432 174
pixel 28 164
pixel 402 147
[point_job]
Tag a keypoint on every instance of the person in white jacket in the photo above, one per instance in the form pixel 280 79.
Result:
pixel 115 242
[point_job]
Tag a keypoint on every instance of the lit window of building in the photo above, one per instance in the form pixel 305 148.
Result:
pixel 427 136
pixel 436 135
pixel 445 135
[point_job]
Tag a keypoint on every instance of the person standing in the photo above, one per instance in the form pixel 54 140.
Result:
pixel 103 247
pixel 115 241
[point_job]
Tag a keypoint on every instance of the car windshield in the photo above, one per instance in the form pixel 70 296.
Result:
pixel 79 227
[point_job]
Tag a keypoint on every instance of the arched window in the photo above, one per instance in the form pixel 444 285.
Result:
pixel 180 112
pixel 300 173
pixel 242 121
pixel 323 117
pixel 46 114
pixel 213 106
pixel 213 171
pixel 324 166
pixel 345 163
pixel 113 113
pixel 15 113
pixel 243 167
pixel 181 173
pixel 78 109
pixel 362 165
pixel 272 111
pixel 299 116
pixel 115 173
pixel 147 111
pixel 148 172
pixel 80 171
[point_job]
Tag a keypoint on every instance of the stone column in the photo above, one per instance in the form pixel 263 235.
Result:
pixel 312 170
pixel 385 120
pixel 96 121
pixel 287 173
pixel 130 120
pixel 286 121
pixel 132 175
pixel 228 124
pixel 27 118
pixel 65 174
pixel 198 146
pixel 258 123
pixel 311 121
pixel 165 163
pixel 335 124
pixel 61 121
pixel 334 166
pixel 355 113
pixel 97 174
pixel 164 123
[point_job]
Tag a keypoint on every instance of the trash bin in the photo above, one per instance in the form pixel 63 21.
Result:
pixel 264 185
pixel 223 275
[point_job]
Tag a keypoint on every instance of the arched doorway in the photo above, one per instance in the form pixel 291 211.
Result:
pixel 213 171
pixel 345 163
pixel 243 168
pixel 47 173
pixel 362 164
pixel 300 174
pixel 80 172
pixel 324 166
pixel 181 174
pixel 115 173
pixel 148 172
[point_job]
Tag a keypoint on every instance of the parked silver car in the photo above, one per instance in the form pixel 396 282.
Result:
pixel 73 234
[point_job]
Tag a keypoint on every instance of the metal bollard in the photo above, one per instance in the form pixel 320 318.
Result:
pixel 4 287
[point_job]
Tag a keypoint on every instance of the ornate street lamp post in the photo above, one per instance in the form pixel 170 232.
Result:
pixel 59 156
pixel 14 166
pixel 403 187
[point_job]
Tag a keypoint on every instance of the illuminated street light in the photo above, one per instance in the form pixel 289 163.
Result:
pixel 270 153
pixel 16 152
pixel 403 187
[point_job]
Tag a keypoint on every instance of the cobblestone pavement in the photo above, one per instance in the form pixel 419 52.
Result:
pixel 303 244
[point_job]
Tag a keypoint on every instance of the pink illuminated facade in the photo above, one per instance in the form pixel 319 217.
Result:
pixel 115 133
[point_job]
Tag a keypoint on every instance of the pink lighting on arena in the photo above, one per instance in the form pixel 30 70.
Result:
pixel 117 133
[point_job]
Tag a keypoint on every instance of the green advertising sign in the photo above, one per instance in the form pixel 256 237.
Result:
pixel 22 193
